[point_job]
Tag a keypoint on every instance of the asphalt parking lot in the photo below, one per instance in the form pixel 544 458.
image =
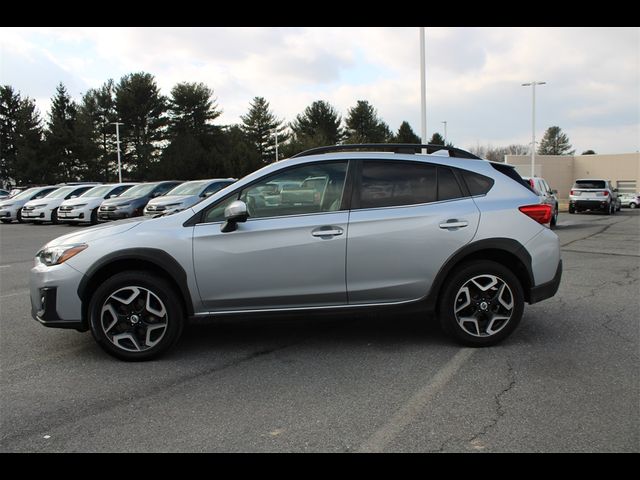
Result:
pixel 566 381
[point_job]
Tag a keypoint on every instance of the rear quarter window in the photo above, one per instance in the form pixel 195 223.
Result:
pixel 477 184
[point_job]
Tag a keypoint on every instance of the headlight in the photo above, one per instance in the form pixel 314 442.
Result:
pixel 172 205
pixel 6 206
pixel 40 205
pixel 124 205
pixel 78 205
pixel 50 256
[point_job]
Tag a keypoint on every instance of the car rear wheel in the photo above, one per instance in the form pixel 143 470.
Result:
pixel 632 205
pixel 482 304
pixel 136 316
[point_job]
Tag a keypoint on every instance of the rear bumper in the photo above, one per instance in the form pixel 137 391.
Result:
pixel 548 289
pixel 589 204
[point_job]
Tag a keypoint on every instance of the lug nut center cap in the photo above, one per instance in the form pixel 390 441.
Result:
pixel 134 319
pixel 484 306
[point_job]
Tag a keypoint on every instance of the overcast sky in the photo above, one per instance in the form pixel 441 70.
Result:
pixel 474 75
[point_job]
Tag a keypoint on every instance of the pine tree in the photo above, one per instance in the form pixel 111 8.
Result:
pixel 259 125
pixel 192 137
pixel 21 153
pixel 437 139
pixel 406 134
pixel 141 107
pixel 364 126
pixel 9 108
pixel 554 142
pixel 191 109
pixel 320 122
pixel 31 164
pixel 62 163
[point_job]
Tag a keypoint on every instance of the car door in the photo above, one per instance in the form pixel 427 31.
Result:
pixel 407 219
pixel 289 253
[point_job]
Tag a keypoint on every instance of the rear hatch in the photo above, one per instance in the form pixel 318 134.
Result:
pixel 590 190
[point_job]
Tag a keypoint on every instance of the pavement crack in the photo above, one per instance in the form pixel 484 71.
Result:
pixel 498 413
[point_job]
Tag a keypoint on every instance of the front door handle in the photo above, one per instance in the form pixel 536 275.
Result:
pixel 327 231
pixel 454 224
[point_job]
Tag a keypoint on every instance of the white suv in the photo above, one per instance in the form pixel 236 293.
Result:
pixel 593 194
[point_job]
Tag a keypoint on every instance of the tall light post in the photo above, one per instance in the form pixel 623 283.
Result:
pixel 445 132
pixel 275 132
pixel 533 123
pixel 423 89
pixel 117 124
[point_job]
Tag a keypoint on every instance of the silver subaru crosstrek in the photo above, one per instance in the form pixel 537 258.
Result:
pixel 331 229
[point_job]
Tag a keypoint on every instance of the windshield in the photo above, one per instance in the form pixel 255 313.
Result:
pixel 60 193
pixel 26 194
pixel 139 190
pixel 100 191
pixel 589 184
pixel 188 188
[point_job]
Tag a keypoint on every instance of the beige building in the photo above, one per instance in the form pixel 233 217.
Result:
pixel 623 169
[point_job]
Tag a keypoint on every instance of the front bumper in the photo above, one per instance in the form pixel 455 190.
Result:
pixel 54 296
pixel 40 214
pixel 116 214
pixel 75 215
pixel 7 215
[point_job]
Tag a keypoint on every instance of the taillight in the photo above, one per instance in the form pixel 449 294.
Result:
pixel 531 183
pixel 605 193
pixel 541 213
pixel 571 192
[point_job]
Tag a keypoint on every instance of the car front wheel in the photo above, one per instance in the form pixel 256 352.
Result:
pixel 482 304
pixel 136 316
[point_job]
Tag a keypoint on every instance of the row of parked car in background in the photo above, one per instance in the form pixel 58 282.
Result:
pixel 92 202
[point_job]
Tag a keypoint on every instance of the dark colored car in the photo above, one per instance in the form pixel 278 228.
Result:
pixel 132 202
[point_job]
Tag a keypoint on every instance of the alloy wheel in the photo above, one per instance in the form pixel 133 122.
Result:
pixel 134 319
pixel 484 305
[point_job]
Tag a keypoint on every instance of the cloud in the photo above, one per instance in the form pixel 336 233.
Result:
pixel 473 74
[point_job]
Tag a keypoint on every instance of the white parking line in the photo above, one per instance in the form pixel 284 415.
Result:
pixel 5 266
pixel 416 404
pixel 21 292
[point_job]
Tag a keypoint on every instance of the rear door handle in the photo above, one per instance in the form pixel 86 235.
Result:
pixel 328 231
pixel 454 224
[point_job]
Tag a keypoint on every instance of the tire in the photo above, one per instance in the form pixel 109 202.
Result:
pixel 136 316
pixel 6 221
pixel 632 205
pixel 572 209
pixel 94 216
pixel 491 291
pixel 19 217
pixel 54 217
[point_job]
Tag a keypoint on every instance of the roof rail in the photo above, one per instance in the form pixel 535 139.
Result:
pixel 406 148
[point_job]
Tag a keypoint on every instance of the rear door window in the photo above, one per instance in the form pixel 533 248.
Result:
pixel 395 183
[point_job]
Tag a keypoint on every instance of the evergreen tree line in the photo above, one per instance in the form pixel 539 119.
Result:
pixel 164 137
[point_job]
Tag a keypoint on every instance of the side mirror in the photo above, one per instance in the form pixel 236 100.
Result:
pixel 554 191
pixel 234 213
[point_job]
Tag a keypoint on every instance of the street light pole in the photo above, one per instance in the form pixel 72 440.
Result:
pixel 275 132
pixel 445 132
pixel 117 124
pixel 423 89
pixel 533 123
